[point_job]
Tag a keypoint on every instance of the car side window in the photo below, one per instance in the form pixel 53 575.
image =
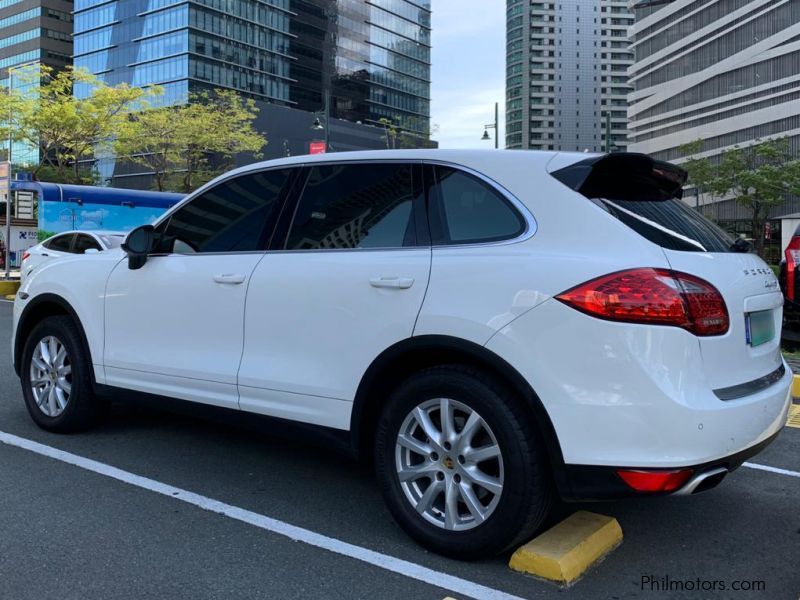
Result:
pixel 60 243
pixel 349 206
pixel 237 215
pixel 467 210
pixel 83 243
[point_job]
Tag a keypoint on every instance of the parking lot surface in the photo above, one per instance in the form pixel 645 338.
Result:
pixel 68 532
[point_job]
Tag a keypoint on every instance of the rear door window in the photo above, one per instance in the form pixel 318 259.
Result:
pixel 351 206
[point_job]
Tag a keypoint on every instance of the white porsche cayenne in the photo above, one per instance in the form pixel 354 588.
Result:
pixel 494 329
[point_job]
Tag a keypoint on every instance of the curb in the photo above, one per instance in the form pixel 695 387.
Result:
pixel 564 552
pixel 796 387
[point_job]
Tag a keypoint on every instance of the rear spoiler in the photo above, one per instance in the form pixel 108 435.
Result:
pixel 624 176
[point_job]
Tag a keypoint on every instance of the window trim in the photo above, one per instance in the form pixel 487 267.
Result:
pixel 519 209
pixel 418 208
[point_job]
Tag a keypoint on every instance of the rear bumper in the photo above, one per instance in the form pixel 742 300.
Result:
pixel 588 483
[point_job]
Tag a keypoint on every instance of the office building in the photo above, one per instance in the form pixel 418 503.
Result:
pixel 724 72
pixel 566 74
pixel 374 57
pixel 32 32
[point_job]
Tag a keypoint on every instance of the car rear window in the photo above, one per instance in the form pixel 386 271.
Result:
pixel 645 194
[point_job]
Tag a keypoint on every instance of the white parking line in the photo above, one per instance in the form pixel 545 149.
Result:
pixel 771 469
pixel 383 561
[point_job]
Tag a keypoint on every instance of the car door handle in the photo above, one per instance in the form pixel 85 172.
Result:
pixel 230 278
pixel 45 254
pixel 401 283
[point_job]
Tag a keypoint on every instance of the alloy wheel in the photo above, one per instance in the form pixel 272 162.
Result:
pixel 51 376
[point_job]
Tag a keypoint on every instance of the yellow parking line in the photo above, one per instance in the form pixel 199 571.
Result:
pixel 563 553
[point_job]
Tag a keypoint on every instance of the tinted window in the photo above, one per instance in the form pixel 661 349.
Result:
pixel 59 243
pixel 237 215
pixel 84 243
pixel 355 206
pixel 468 210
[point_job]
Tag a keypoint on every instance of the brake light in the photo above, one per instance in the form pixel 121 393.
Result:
pixel 653 297
pixel 25 256
pixel 792 255
pixel 655 481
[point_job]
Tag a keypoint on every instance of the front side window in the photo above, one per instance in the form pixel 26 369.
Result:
pixel 352 206
pixel 237 215
pixel 84 243
pixel 60 243
pixel 466 210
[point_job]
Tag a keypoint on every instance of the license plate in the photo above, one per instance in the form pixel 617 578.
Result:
pixel 760 327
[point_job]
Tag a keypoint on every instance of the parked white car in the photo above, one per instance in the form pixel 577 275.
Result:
pixel 492 328
pixel 66 244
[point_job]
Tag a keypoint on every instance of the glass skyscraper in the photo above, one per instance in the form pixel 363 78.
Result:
pixel 187 46
pixel 374 57
pixel 32 32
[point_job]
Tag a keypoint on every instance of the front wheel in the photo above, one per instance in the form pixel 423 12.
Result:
pixel 56 377
pixel 460 466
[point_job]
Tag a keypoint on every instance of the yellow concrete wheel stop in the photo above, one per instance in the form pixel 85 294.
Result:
pixel 564 552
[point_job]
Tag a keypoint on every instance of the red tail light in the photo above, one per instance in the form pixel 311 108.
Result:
pixel 654 297
pixel 792 255
pixel 25 256
pixel 655 481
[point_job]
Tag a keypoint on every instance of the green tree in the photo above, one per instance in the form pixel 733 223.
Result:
pixel 759 177
pixel 186 145
pixel 701 172
pixel 66 130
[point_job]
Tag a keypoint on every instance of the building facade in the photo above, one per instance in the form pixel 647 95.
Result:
pixel 374 57
pixel 186 47
pixel 726 72
pixel 32 32
pixel 566 74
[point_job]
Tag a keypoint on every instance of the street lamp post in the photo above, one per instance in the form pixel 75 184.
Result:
pixel 495 126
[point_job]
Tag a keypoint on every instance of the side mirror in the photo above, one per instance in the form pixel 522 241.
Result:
pixel 138 245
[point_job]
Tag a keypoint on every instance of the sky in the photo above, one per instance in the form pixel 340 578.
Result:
pixel 468 72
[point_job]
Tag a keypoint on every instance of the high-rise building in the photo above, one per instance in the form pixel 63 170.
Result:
pixel 32 32
pixel 725 73
pixel 374 57
pixel 566 74
pixel 187 46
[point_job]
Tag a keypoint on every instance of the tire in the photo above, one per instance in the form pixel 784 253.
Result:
pixel 74 407
pixel 510 516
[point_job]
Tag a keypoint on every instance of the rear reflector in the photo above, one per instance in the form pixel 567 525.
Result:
pixel 653 297
pixel 655 481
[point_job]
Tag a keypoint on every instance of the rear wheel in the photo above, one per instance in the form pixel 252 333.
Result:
pixel 56 377
pixel 460 465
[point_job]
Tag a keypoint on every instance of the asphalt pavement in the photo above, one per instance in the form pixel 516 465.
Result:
pixel 68 532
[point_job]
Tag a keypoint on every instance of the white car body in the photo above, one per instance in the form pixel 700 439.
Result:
pixel 294 334
pixel 68 243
